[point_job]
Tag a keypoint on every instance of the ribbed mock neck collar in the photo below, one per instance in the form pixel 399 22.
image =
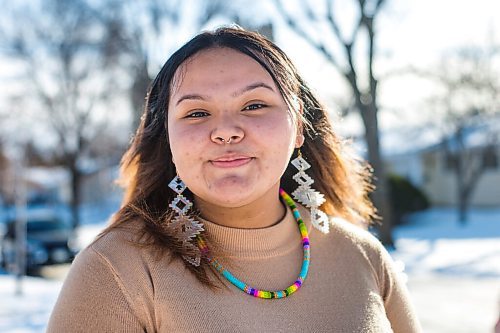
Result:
pixel 278 239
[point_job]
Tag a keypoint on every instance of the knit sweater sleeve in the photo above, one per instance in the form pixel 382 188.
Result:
pixel 398 306
pixel 93 299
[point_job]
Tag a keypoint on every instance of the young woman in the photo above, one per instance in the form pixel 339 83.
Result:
pixel 235 216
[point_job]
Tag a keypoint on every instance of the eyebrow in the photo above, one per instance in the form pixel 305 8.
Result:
pixel 191 97
pixel 240 92
pixel 252 87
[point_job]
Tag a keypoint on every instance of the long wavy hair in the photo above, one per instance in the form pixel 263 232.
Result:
pixel 147 167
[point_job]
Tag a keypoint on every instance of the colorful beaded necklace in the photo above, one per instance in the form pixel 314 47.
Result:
pixel 263 293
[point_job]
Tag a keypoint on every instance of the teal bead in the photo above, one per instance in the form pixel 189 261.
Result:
pixel 303 272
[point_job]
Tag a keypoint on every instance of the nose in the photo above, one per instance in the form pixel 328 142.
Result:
pixel 227 131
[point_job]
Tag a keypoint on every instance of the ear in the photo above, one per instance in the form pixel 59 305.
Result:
pixel 299 140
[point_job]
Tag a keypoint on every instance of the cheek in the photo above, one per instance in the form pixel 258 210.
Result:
pixel 185 144
pixel 278 123
pixel 278 135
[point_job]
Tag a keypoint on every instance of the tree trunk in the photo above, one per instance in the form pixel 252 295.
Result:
pixel 75 195
pixel 461 195
pixel 460 172
pixel 138 92
pixel 465 194
pixel 381 194
pixel 462 208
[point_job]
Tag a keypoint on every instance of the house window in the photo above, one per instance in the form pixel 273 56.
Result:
pixel 450 161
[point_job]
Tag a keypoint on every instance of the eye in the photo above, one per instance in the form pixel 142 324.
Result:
pixel 255 106
pixel 197 114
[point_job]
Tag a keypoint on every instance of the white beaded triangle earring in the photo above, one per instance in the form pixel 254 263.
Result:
pixel 308 196
pixel 184 228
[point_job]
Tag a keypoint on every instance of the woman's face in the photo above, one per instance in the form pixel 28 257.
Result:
pixel 230 130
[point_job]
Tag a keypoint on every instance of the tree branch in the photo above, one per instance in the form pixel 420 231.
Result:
pixel 290 21
pixel 333 23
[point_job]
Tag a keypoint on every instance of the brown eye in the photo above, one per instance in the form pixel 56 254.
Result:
pixel 197 114
pixel 255 106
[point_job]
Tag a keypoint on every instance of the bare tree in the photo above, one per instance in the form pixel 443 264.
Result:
pixel 4 164
pixel 466 104
pixel 469 163
pixel 136 30
pixel 59 45
pixel 317 23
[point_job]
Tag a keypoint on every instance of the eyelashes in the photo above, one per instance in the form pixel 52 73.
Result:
pixel 255 106
pixel 197 114
pixel 202 114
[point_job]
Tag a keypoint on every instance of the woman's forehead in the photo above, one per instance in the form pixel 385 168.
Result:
pixel 208 68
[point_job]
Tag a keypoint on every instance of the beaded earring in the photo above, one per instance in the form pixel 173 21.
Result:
pixel 308 196
pixel 184 228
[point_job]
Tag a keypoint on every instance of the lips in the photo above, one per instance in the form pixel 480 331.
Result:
pixel 231 161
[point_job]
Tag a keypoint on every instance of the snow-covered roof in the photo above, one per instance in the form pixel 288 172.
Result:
pixel 478 134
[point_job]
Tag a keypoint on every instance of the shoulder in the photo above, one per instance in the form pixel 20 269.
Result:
pixel 116 262
pixel 106 282
pixel 347 242
pixel 353 241
pixel 102 260
pixel 121 252
pixel 361 257
pixel 126 250
pixel 117 243
pixel 343 235
pixel 350 233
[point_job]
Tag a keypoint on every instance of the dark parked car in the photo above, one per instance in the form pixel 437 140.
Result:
pixel 49 240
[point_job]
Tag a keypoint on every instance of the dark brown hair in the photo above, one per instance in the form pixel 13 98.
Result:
pixel 147 166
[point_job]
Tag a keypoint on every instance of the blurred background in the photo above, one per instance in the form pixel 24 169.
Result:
pixel 415 85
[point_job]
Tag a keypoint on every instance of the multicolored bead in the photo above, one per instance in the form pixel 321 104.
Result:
pixel 264 293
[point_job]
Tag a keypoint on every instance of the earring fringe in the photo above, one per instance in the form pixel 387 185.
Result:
pixel 184 228
pixel 308 196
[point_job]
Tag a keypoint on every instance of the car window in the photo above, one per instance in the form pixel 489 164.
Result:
pixel 39 226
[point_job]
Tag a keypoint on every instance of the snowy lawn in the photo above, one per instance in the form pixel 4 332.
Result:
pixel 453 270
pixel 30 311
pixel 433 242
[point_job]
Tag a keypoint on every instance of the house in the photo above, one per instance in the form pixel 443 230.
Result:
pixel 431 167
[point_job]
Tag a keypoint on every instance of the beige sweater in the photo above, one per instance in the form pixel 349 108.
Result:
pixel 351 287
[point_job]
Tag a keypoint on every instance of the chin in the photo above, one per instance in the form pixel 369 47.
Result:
pixel 233 195
pixel 233 199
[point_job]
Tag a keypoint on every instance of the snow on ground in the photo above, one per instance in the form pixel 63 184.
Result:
pixel 30 311
pixel 451 304
pixel 434 242
pixel 453 270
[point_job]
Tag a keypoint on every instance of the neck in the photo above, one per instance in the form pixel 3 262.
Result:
pixel 261 213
